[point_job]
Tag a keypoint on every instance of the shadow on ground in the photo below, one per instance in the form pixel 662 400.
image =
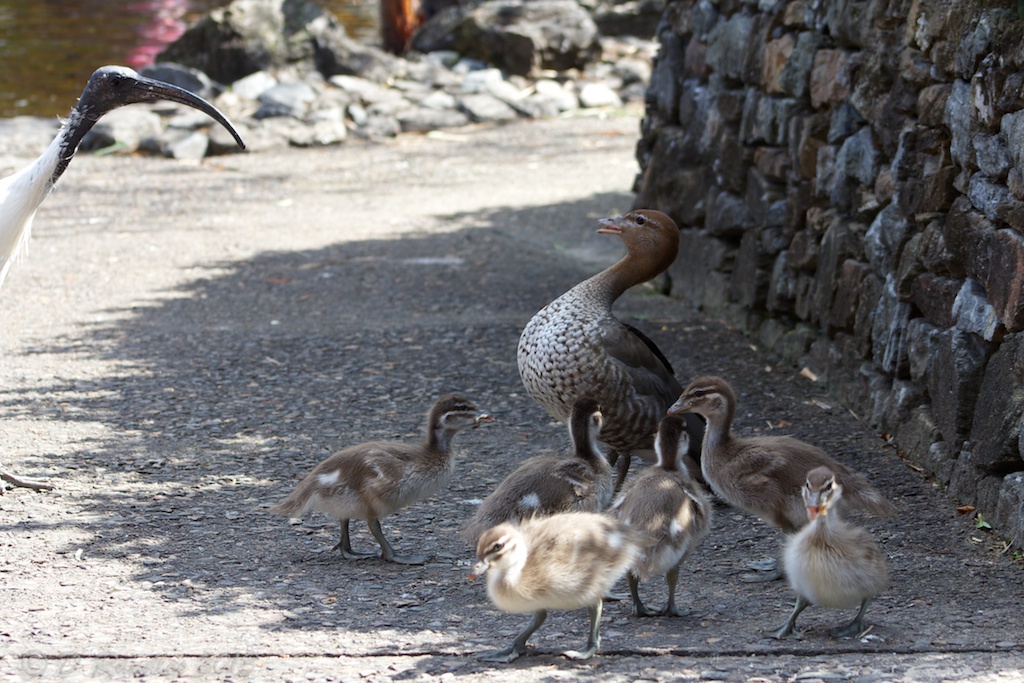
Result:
pixel 237 384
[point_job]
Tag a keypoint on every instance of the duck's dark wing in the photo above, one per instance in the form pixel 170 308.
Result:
pixel 649 343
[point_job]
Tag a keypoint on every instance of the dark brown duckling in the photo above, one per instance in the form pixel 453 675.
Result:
pixel 374 479
pixel 665 504
pixel 544 485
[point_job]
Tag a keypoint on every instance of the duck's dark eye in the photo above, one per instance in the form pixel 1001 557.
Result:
pixel 640 220
pixel 498 545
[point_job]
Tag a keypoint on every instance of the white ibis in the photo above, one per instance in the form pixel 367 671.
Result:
pixel 21 194
pixel 109 87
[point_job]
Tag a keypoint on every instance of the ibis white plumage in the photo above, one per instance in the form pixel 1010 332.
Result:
pixel 21 194
pixel 109 87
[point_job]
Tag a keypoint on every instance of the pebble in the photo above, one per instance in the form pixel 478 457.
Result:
pixel 599 95
pixel 822 676
pixel 192 146
pixel 254 85
pixel 484 107
pixel 427 92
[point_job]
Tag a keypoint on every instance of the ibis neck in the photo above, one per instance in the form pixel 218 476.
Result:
pixel 71 134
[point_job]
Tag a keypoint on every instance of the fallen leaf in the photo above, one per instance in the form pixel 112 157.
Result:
pixel 912 465
pixel 964 509
pixel 809 374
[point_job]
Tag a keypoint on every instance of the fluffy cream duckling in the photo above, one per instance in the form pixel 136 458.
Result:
pixel 374 479
pixel 830 563
pixel 763 475
pixel 565 561
pixel 665 504
pixel 545 485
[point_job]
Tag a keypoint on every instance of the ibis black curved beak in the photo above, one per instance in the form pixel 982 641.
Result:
pixel 111 87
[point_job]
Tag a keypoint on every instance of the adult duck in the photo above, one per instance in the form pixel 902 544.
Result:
pixel 575 346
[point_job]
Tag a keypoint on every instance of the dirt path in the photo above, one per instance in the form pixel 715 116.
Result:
pixel 183 343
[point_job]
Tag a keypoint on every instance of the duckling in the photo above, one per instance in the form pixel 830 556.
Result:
pixel 763 475
pixel 665 504
pixel 374 479
pixel 831 563
pixel 544 485
pixel 565 561
pixel 576 347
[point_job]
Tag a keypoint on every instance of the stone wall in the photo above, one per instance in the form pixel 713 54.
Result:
pixel 849 177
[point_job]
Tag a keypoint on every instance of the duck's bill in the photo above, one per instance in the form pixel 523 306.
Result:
pixel 610 226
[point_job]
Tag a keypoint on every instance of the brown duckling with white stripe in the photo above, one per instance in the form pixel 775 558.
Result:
pixel 665 504
pixel 544 485
pixel 830 563
pixel 374 479
pixel 763 475
pixel 575 346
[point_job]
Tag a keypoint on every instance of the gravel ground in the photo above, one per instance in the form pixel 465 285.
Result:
pixel 183 343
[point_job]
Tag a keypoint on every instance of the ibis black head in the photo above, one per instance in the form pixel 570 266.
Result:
pixel 115 86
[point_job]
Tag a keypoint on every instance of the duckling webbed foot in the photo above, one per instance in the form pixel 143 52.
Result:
pixel 671 609
pixel 593 640
pixel 350 554
pixel 503 656
pixel 518 646
pixel 766 570
pixel 634 590
pixel 407 559
pixel 789 628
pixel 345 545
pixel 851 630
pixel 855 627
pixel 21 482
pixel 580 655
pixel 388 553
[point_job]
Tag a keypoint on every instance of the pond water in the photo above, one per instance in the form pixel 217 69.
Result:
pixel 49 48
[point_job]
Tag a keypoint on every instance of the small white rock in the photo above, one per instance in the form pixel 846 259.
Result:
pixel 478 81
pixel 253 85
pixel 599 95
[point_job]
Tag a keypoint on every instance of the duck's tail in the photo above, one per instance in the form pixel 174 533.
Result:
pixel 294 505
